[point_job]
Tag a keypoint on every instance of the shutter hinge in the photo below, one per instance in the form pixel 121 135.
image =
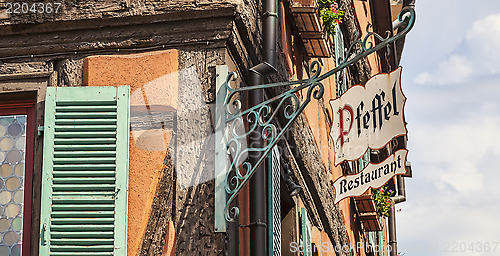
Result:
pixel 40 130
pixel 116 192
pixel 43 242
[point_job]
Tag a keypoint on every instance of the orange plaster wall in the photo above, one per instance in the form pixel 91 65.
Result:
pixel 386 236
pixel 321 131
pixel 364 17
pixel 320 126
pixel 319 120
pixel 312 113
pixel 286 39
pixel 145 167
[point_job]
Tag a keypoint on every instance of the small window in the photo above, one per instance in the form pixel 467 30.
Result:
pixel 16 169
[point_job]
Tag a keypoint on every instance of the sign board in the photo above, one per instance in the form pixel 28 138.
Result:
pixel 372 176
pixel 368 116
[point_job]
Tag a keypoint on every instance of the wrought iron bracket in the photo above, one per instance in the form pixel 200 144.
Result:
pixel 233 170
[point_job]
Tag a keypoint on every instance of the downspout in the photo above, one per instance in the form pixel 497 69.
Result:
pixel 401 197
pixel 258 188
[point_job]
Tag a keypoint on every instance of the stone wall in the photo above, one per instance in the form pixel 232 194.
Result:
pixel 72 10
pixel 201 30
pixel 195 155
pixel 54 53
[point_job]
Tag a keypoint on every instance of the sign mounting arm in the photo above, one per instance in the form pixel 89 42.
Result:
pixel 232 155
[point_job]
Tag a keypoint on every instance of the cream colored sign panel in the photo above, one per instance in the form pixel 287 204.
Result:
pixel 368 116
pixel 372 176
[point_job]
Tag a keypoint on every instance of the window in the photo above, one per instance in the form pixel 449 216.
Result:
pixel 85 171
pixel 16 170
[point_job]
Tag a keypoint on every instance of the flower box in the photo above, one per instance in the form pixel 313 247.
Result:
pixel 317 44
pixel 365 203
pixel 370 221
pixel 367 213
pixel 306 15
pixel 310 25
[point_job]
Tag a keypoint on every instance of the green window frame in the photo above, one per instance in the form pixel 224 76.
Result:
pixel 85 171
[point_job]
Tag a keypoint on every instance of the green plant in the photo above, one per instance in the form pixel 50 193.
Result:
pixel 383 200
pixel 330 14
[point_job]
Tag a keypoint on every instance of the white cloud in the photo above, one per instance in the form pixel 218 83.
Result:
pixel 451 154
pixel 483 40
pixel 477 55
pixel 454 149
pixel 454 139
pixel 486 30
pixel 455 69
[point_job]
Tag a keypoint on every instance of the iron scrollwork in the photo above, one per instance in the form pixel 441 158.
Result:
pixel 288 105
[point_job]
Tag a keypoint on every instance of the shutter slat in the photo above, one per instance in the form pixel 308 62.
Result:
pixel 84 147
pixel 83 199
pixel 80 160
pixel 84 187
pixel 83 221
pixel 86 141
pixel 86 214
pixel 91 173
pixel 84 193
pixel 94 194
pixel 84 166
pixel 100 180
pixel 83 207
pixel 82 241
pixel 76 108
pixel 81 228
pixel 69 235
pixel 85 134
pixel 82 248
pixel 77 200
pixel 64 102
pixel 85 115
pixel 82 128
pixel 82 253
pixel 86 121
pixel 62 154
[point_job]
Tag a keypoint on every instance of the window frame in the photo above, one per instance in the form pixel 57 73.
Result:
pixel 25 107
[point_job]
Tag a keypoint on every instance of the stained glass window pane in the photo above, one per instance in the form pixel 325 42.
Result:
pixel 12 156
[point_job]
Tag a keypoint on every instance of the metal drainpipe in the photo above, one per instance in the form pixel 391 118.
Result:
pixel 258 188
pixel 401 197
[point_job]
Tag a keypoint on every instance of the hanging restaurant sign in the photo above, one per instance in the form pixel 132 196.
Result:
pixel 372 176
pixel 368 116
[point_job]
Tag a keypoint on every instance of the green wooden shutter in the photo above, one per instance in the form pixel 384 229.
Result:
pixel 339 57
pixel 85 171
pixel 306 234
pixel 274 203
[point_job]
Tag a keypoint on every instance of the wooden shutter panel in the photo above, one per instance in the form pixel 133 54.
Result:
pixel 85 171
pixel 339 55
pixel 274 205
pixel 306 234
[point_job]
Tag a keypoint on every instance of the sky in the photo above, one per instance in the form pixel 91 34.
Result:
pixel 451 77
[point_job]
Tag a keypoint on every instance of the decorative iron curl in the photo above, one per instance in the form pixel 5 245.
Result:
pixel 233 105
pixel 262 115
pixel 289 105
pixel 315 68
